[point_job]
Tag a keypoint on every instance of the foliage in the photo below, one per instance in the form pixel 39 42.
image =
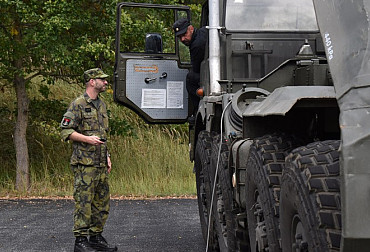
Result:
pixel 56 41
pixel 7 125
pixel 120 127
pixel 47 110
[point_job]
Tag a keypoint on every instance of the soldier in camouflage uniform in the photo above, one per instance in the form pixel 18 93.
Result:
pixel 86 124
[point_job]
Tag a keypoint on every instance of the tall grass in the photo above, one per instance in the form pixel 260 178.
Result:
pixel 155 166
pixel 149 160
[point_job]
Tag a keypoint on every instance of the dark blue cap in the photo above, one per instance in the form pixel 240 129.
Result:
pixel 181 26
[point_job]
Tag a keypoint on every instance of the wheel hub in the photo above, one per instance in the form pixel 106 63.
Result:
pixel 298 236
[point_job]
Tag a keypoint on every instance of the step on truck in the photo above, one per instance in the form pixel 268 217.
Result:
pixel 281 136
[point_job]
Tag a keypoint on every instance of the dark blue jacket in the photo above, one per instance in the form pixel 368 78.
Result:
pixel 197 47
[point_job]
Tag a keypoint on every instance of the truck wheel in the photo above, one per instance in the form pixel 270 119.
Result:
pixel 223 199
pixel 264 168
pixel 310 211
pixel 203 183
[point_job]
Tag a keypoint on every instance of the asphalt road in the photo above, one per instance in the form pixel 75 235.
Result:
pixel 133 225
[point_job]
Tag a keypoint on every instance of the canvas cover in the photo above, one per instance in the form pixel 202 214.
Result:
pixel 344 26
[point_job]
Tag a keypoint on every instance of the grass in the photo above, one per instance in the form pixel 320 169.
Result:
pixel 148 160
pixel 155 168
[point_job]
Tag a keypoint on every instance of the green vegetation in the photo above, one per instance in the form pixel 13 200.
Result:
pixel 148 160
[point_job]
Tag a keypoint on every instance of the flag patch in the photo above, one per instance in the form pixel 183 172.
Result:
pixel 66 121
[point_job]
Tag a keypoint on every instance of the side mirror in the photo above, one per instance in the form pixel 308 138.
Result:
pixel 153 43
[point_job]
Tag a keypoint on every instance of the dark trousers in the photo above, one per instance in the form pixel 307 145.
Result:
pixel 192 84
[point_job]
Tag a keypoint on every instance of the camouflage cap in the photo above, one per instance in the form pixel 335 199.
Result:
pixel 180 26
pixel 95 73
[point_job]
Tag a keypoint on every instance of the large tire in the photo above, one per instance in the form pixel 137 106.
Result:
pixel 264 168
pixel 223 197
pixel 203 183
pixel 310 212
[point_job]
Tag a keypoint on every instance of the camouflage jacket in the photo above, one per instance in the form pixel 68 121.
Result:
pixel 89 118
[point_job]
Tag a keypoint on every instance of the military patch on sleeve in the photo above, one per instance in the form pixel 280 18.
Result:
pixel 66 121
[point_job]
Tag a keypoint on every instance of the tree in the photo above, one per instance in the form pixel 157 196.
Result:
pixel 55 39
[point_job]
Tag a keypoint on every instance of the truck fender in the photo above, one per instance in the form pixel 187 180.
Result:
pixel 282 100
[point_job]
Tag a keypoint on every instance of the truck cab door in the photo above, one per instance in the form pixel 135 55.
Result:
pixel 149 76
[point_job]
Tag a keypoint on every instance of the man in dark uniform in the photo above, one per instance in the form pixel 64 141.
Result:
pixel 196 40
pixel 86 124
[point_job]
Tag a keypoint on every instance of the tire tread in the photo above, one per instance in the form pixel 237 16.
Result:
pixel 316 167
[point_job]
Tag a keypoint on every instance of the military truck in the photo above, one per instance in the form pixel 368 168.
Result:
pixel 280 139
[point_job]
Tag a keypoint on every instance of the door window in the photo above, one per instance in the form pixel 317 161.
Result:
pixel 148 30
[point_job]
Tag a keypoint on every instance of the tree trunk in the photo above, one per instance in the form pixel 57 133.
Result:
pixel 22 182
pixel 20 141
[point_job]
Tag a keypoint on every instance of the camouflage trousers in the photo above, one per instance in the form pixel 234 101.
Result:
pixel 91 195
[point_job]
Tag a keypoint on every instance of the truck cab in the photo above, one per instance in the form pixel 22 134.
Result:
pixel 274 170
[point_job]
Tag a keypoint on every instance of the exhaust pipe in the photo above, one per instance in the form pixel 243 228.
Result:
pixel 214 46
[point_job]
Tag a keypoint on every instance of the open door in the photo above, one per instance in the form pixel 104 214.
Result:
pixel 151 66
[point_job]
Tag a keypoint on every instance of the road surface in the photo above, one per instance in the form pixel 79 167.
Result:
pixel 133 225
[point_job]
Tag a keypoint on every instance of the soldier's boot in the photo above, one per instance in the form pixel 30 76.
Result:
pixel 99 243
pixel 83 245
